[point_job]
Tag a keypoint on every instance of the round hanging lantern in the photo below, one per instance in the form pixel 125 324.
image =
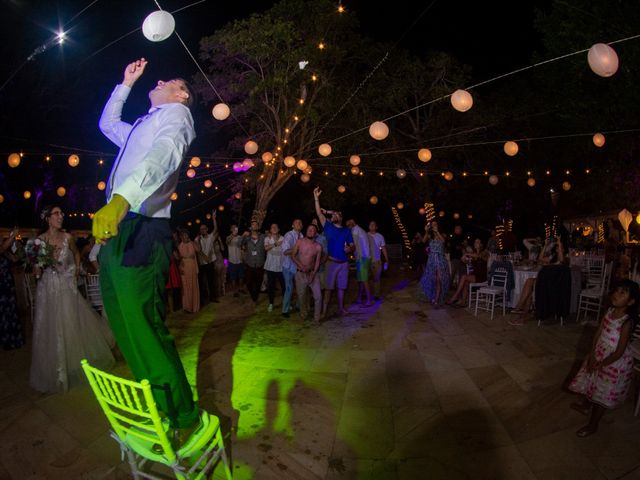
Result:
pixel 158 26
pixel 221 111
pixel 305 177
pixel 14 160
pixel 208 183
pixel 27 195
pixel 302 164
pixel 73 160
pixel 354 160
pixel 197 220
pixel 379 130
pixel 456 216
pixel 566 186
pixel 400 206
pixel 238 195
pixel 401 173
pixel 102 185
pixel 422 211
pixel 373 200
pixel 191 173
pixel 598 140
pixel 511 148
pixel 1 198
pixel 493 180
pixel 448 176
pixel 208 216
pixel 531 182
pixel 61 191
pixel 237 167
pixel 603 60
pixel 174 196
pixel 441 213
pixel 195 162
pixel 251 147
pixel 424 154
pixel 308 170
pixel 342 188
pixel 267 156
pixel 247 163
pixel 461 100
pixel 221 208
pixel 324 149
pixel 355 170
pixel 289 161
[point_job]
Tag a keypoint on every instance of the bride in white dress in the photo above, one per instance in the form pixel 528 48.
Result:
pixel 66 328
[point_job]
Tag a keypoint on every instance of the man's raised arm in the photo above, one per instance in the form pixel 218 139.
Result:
pixel 316 196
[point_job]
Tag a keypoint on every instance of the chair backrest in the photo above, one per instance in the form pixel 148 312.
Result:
pixel 129 407
pixel 499 278
pixel 92 284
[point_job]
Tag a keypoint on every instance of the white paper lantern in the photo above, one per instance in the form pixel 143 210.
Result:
pixel 191 173
pixel 424 154
pixel 373 200
pixel 566 186
pixel 531 182
pixel 195 162
pixel 208 183
pixel 305 177
pixel 221 111
pixel 289 161
pixel 461 100
pixel 73 160
pixel 401 173
pixel 27 195
pixel 598 139
pixel 1 198
pixel 302 164
pixel 174 196
pixel 441 214
pixel 247 163
pixel 400 206
pixel 221 208
pixel 603 60
pixel 342 188
pixel 158 26
pixel 456 216
pixel 493 180
pixel 251 147
pixel 355 170
pixel 448 176
pixel 14 160
pixel 422 211
pixel 102 185
pixel 61 191
pixel 237 167
pixel 354 160
pixel 308 170
pixel 379 130
pixel 267 156
pixel 324 149
pixel 511 148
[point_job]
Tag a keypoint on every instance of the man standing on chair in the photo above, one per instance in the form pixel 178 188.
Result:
pixel 134 228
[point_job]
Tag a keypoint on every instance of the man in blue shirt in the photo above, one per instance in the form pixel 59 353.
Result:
pixel 339 244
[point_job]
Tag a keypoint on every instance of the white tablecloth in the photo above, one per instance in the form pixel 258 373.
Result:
pixel 519 279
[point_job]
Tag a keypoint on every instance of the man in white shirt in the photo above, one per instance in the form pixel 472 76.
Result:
pixel 236 267
pixel 289 268
pixel 363 261
pixel 379 257
pixel 134 228
pixel 206 270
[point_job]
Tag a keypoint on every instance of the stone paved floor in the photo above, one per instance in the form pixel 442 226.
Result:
pixel 395 391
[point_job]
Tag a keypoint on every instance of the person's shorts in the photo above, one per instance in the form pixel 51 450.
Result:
pixel 362 269
pixel 236 271
pixel 337 275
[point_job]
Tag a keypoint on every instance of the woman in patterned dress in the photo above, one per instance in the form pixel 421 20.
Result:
pixel 605 375
pixel 435 279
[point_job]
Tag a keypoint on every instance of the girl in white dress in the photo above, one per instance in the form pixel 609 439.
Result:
pixel 66 328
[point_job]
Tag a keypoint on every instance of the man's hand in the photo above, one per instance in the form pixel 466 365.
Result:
pixel 317 192
pixel 213 214
pixel 133 72
pixel 107 219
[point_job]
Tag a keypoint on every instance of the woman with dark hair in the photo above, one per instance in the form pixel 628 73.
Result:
pixel 189 272
pixel 65 329
pixel 11 334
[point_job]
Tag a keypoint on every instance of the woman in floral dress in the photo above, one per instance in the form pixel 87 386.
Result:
pixel 435 279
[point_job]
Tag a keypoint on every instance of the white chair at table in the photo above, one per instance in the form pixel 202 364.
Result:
pixel 594 270
pixel 94 296
pixel 473 292
pixel 495 293
pixel 591 297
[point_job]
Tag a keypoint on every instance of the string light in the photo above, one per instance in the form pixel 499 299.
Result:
pixel 321 45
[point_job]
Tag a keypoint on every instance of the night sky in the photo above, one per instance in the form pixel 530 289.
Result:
pixel 56 99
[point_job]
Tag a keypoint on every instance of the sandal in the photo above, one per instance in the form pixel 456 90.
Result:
pixel 586 431
pixel 581 408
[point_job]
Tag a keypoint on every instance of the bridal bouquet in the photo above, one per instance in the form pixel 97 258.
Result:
pixel 38 253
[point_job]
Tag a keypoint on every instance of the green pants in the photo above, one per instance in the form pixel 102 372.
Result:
pixel 134 301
